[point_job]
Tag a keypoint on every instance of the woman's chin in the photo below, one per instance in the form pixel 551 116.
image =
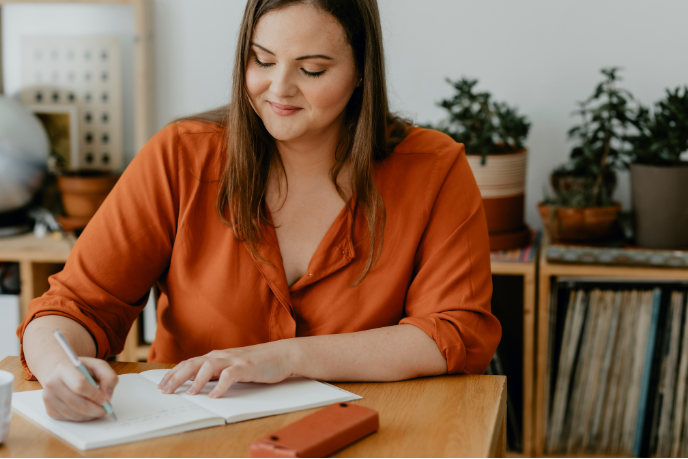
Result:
pixel 285 133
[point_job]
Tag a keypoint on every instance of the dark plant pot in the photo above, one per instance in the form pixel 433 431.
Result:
pixel 82 194
pixel 660 200
pixel 579 223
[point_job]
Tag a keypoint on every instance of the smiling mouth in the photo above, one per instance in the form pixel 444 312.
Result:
pixel 283 110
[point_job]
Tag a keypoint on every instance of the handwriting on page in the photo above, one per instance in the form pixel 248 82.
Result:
pixel 151 417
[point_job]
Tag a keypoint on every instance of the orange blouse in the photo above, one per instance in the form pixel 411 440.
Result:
pixel 159 224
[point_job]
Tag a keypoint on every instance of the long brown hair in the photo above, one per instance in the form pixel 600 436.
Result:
pixel 370 131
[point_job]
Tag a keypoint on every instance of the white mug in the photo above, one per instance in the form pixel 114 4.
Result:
pixel 6 385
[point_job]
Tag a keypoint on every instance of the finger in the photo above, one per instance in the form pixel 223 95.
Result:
pixel 204 374
pixel 80 408
pixel 103 374
pixel 228 377
pixel 166 379
pixel 183 371
pixel 78 384
pixel 56 408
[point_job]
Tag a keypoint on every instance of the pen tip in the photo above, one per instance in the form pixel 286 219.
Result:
pixel 113 416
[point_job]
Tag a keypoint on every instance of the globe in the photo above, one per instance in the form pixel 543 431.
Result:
pixel 24 151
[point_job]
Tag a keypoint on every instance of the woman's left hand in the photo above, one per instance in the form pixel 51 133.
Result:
pixel 263 363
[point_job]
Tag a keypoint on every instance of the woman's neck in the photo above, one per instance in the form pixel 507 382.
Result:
pixel 308 162
pixel 311 156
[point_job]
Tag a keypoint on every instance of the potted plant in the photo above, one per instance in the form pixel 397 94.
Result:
pixel 489 128
pixel 659 178
pixel 82 191
pixel 582 207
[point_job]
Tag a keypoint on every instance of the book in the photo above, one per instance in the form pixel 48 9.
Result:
pixel 641 335
pixel 627 256
pixel 614 304
pixel 666 418
pixel 595 372
pixel 660 391
pixel 144 412
pixel 558 295
pixel 681 382
pixel 579 399
pixel 520 255
pixel 647 369
pixel 623 370
pixel 571 337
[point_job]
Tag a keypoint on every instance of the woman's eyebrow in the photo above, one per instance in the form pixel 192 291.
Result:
pixel 314 56
pixel 264 49
pixel 310 56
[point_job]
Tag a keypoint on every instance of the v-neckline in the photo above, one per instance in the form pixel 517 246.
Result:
pixel 342 234
pixel 335 251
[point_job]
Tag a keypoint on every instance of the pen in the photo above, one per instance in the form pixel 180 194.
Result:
pixel 80 366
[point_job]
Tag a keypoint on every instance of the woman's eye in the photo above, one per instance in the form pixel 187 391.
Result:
pixel 313 74
pixel 261 64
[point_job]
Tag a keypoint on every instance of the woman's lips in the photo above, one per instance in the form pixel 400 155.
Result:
pixel 283 110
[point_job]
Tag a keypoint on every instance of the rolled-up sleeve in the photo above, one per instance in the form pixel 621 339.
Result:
pixel 449 296
pixel 122 252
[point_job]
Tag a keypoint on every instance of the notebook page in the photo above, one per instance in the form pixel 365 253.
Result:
pixel 254 400
pixel 142 412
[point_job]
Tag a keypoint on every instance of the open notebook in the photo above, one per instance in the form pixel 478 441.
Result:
pixel 143 411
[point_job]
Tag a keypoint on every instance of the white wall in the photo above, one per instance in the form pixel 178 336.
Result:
pixel 70 19
pixel 541 55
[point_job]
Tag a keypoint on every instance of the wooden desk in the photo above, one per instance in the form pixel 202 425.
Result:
pixel 445 416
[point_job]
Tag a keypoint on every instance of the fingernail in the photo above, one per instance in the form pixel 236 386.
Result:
pixel 109 393
pixel 166 388
pixel 212 394
pixel 191 391
pixel 101 400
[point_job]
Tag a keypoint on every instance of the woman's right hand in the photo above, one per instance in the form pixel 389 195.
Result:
pixel 68 395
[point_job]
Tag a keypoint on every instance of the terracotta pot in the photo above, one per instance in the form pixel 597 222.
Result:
pixel 502 182
pixel 83 195
pixel 579 224
pixel 660 200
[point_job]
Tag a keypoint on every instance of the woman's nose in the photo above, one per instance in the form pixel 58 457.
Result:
pixel 283 85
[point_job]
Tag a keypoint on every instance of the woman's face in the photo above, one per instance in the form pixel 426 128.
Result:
pixel 301 72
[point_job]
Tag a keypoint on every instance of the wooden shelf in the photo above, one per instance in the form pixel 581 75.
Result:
pixel 548 271
pixel 29 248
pixel 527 270
pixel 40 258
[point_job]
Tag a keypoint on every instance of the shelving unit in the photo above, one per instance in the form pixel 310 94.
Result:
pixel 528 272
pixel 549 271
pixel 41 258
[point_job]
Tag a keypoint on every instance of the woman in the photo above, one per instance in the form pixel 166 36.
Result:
pixel 303 230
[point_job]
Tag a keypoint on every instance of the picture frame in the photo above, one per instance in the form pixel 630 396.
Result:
pixel 61 123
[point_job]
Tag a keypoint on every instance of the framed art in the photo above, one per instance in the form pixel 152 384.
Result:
pixel 61 123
